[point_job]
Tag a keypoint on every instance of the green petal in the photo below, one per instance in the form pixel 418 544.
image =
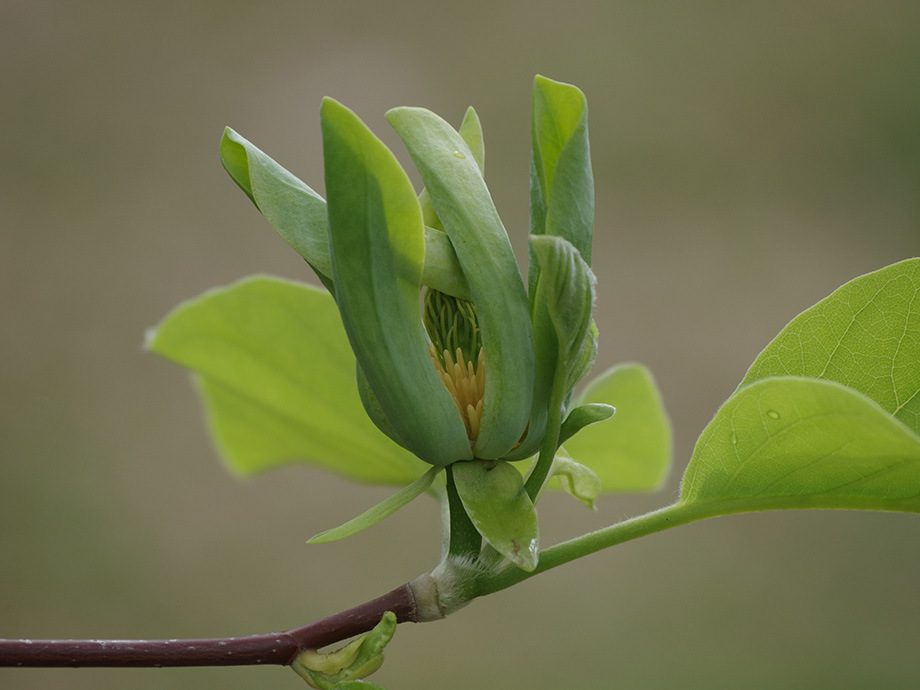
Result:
pixel 277 378
pixel 298 215
pixel 296 212
pixel 492 491
pixel 471 132
pixel 442 269
pixel 459 195
pixel 561 180
pixel 378 250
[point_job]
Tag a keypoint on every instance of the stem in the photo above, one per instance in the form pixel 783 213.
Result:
pixel 414 602
pixel 641 526
pixel 273 648
pixel 464 539
pixel 537 478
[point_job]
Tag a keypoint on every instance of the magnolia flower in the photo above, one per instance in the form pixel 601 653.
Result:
pixel 377 248
pixel 456 359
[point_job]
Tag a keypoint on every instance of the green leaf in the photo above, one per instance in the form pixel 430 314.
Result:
pixel 565 298
pixel 561 180
pixel 378 248
pixel 492 491
pixel 566 286
pixel 296 212
pixel 790 442
pixel 278 381
pixel 460 197
pixel 382 510
pixel 576 479
pixel 582 416
pixel 631 451
pixel 344 667
pixel 866 335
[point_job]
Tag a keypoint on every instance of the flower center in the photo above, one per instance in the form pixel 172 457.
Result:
pixel 456 350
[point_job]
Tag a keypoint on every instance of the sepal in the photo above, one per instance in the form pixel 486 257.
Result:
pixel 492 492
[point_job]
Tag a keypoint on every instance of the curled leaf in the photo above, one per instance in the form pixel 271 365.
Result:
pixel 566 287
pixel 576 479
pixel 345 667
pixel 582 416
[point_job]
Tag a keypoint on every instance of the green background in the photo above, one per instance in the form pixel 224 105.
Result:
pixel 749 158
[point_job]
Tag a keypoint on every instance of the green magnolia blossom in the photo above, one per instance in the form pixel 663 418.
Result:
pixel 455 358
pixel 489 397
pixel 377 243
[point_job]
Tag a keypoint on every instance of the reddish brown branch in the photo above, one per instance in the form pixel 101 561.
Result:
pixel 273 648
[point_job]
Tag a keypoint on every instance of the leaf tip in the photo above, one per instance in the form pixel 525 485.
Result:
pixel 525 557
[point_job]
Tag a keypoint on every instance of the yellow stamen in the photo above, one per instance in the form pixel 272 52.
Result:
pixel 466 384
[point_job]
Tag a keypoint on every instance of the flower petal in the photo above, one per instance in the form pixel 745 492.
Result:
pixel 459 195
pixel 378 250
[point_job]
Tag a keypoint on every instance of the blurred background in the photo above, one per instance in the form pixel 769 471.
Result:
pixel 749 158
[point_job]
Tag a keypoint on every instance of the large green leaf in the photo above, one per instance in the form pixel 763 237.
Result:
pixel 492 492
pixel 632 450
pixel 865 335
pixel 278 381
pixel 378 250
pixel 461 199
pixel 790 442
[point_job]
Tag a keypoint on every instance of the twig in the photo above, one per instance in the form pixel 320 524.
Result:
pixel 273 648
